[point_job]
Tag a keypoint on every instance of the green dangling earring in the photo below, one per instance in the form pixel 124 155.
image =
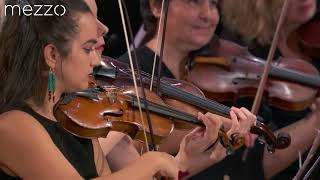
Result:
pixel 51 85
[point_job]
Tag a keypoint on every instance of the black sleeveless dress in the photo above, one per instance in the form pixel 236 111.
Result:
pixel 78 151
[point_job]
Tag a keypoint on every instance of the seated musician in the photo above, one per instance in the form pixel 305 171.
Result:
pixel 252 28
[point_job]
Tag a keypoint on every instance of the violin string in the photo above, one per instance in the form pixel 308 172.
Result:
pixel 211 105
pixel 157 46
pixel 133 74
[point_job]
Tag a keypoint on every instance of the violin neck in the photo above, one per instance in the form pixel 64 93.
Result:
pixel 296 77
pixel 204 103
pixel 167 111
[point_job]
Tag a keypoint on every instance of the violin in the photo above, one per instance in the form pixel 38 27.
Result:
pixel 305 39
pixel 114 72
pixel 95 112
pixel 292 85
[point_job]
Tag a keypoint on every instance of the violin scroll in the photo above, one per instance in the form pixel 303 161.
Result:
pixel 232 144
pixel 282 140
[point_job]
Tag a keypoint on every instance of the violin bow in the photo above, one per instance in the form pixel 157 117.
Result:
pixel 166 9
pixel 163 6
pixel 141 83
pixel 267 67
pixel 311 162
pixel 258 98
pixel 123 15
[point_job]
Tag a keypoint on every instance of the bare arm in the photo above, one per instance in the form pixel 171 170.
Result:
pixel 109 142
pixel 302 135
pixel 121 154
pixel 24 141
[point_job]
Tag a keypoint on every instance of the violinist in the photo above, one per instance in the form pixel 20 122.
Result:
pixel 251 27
pixel 193 155
pixel 190 26
pixel 33 145
pixel 259 36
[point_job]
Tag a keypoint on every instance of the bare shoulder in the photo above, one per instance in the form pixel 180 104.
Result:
pixel 28 151
pixel 18 126
pixel 15 119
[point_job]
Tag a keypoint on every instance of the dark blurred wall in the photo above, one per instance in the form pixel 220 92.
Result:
pixel 109 14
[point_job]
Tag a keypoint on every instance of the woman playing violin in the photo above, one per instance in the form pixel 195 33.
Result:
pixel 119 149
pixel 190 26
pixel 56 55
pixel 250 26
pixel 33 145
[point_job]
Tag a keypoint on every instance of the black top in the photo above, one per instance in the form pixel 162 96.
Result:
pixel 78 151
pixel 233 164
pixel 145 60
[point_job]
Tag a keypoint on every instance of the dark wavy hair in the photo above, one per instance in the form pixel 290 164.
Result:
pixel 23 70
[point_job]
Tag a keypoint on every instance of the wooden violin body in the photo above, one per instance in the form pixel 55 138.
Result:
pixel 290 86
pixel 92 114
pixel 306 40
pixel 240 77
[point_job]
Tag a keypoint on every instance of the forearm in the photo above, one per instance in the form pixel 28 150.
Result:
pixel 302 135
pixel 108 143
pixel 136 170
pixel 122 154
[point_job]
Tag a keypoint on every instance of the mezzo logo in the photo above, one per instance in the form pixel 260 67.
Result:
pixel 35 10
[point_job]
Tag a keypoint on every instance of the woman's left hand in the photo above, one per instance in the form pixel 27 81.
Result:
pixel 195 148
pixel 242 121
